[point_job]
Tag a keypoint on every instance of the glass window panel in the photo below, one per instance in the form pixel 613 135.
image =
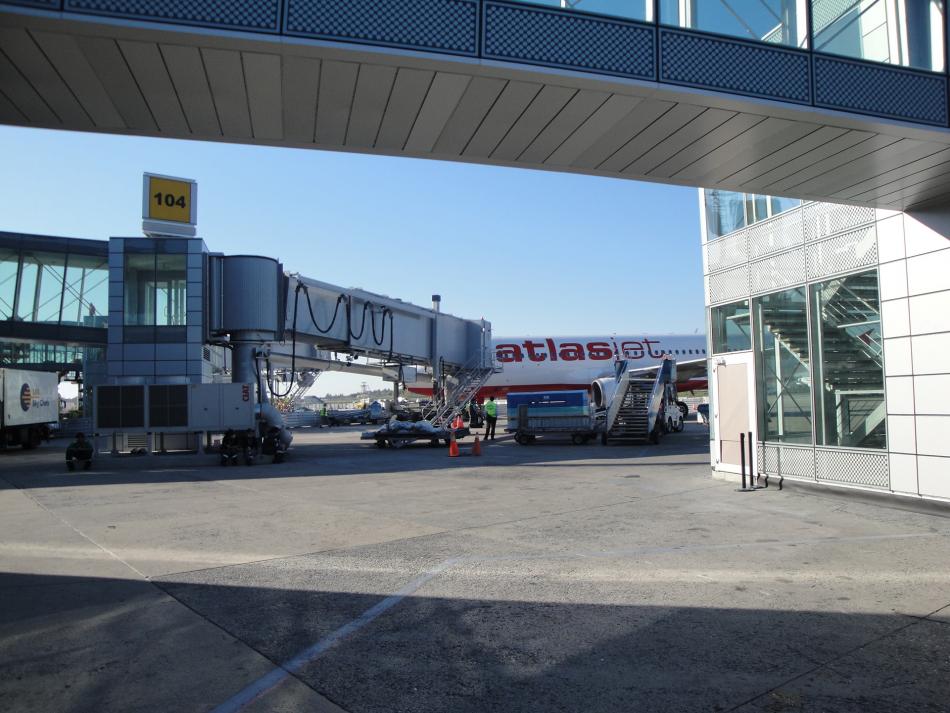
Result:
pixel 849 368
pixel 26 300
pixel 139 289
pixel 780 205
pixel 730 328
pixel 774 21
pixel 908 33
pixel 628 9
pixel 86 292
pixel 725 212
pixel 9 264
pixel 782 366
pixel 46 270
pixel 170 283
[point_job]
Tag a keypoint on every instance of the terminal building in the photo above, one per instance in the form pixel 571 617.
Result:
pixel 828 326
pixel 829 335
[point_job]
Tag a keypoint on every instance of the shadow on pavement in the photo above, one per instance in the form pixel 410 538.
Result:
pixel 103 645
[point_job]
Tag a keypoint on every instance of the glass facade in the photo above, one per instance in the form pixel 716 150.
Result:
pixel 727 211
pixel 26 354
pixel 819 362
pixel 9 267
pixel 630 9
pixel 86 292
pixel 731 330
pixel 908 33
pixel 782 366
pixel 155 289
pixel 849 366
pixel 54 287
pixel 780 22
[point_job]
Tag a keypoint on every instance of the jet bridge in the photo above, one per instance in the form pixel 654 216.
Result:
pixel 302 322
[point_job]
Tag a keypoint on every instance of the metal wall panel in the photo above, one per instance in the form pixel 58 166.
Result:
pixel 728 285
pixel 776 234
pixel 44 4
pixel 438 25
pixel 797 462
pixel 714 62
pixel 852 467
pixel 880 90
pixel 774 273
pixel 256 15
pixel 842 253
pixel 728 251
pixel 825 219
pixel 568 39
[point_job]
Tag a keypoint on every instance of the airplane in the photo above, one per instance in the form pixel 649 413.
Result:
pixel 571 363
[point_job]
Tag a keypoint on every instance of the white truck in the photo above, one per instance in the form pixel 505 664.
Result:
pixel 29 402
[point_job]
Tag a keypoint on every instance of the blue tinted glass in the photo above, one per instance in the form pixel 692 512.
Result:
pixel 774 21
pixel 629 9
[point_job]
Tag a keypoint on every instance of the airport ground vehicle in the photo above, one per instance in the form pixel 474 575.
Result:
pixel 30 402
pixel 548 413
pixel 409 432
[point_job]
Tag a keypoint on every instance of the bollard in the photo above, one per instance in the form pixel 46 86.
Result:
pixel 753 476
pixel 742 457
pixel 744 488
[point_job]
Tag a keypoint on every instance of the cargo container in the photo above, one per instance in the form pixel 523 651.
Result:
pixel 30 402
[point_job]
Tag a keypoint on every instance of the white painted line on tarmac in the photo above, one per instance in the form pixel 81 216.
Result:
pixel 276 677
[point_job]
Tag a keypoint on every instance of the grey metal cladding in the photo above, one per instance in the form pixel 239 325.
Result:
pixel 256 15
pixel 713 62
pixel 443 25
pixel 880 90
pixel 568 39
pixel 43 4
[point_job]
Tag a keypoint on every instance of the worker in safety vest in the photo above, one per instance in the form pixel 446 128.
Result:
pixel 491 416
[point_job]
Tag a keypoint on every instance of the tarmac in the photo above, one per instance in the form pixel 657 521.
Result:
pixel 547 577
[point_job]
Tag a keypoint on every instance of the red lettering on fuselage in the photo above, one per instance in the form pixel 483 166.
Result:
pixel 508 353
pixel 530 347
pixel 572 351
pixel 599 351
pixel 547 349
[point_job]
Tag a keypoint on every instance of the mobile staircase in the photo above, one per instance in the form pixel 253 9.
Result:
pixel 468 380
pixel 634 411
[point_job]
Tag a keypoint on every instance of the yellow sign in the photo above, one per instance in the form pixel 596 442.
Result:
pixel 169 199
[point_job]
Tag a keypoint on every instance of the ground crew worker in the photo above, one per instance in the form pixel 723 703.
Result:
pixel 491 416
pixel 79 451
pixel 324 421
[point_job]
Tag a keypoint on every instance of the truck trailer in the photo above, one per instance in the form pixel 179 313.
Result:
pixel 29 402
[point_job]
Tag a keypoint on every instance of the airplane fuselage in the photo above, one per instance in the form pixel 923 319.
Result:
pixel 567 363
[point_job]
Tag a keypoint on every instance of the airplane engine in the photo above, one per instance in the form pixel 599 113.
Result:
pixel 602 391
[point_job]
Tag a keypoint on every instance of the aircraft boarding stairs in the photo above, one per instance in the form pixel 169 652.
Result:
pixel 852 355
pixel 468 380
pixel 636 403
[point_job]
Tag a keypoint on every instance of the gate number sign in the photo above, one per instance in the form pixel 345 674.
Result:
pixel 168 205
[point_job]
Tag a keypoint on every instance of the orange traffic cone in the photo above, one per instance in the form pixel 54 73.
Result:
pixel 453 448
pixel 476 447
pixel 458 422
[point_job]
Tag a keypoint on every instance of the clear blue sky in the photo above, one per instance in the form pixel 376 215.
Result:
pixel 533 252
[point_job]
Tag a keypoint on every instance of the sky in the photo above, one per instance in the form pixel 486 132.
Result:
pixel 531 251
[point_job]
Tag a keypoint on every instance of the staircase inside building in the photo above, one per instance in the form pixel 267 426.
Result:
pixel 850 350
